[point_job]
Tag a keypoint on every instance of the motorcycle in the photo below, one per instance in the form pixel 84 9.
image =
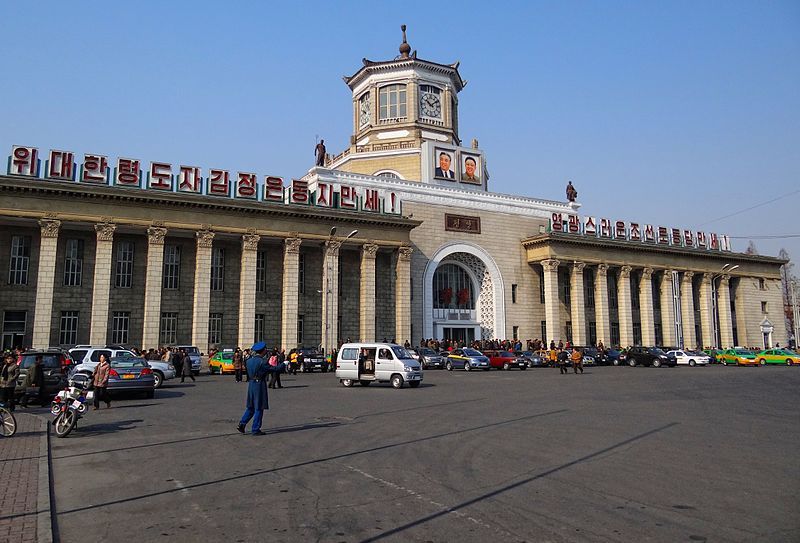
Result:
pixel 70 407
pixel 75 388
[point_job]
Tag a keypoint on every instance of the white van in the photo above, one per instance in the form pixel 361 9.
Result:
pixel 382 362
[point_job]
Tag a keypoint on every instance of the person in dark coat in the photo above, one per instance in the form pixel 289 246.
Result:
pixel 257 394
pixel 186 367
pixel 35 379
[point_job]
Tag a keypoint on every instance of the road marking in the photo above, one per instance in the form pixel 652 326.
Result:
pixel 430 501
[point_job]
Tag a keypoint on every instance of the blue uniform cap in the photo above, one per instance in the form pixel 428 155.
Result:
pixel 260 346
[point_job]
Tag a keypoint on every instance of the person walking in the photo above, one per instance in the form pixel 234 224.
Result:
pixel 238 364
pixel 186 367
pixel 563 362
pixel 8 380
pixel 257 394
pixel 35 379
pixel 577 360
pixel 100 381
pixel 275 376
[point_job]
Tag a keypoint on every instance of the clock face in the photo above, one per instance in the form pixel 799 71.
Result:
pixel 430 105
pixel 364 112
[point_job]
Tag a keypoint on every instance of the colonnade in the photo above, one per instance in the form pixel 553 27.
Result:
pixel 204 239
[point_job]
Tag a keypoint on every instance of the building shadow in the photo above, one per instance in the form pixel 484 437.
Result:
pixel 102 428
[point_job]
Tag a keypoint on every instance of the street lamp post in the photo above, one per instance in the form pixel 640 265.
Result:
pixel 795 313
pixel 714 305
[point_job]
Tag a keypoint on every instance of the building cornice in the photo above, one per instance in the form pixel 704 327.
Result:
pixel 371 67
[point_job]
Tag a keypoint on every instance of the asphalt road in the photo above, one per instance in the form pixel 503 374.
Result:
pixel 617 454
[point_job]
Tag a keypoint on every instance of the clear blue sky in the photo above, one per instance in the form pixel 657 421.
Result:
pixel 675 113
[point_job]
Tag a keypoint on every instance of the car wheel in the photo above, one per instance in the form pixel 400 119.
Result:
pixel 692 363
pixel 159 379
pixel 762 362
pixel 365 383
pixel 616 362
pixel 506 366
pixel 788 362
pixel 347 382
pixel 448 366
pixel 467 367
pixel 523 367
pixel 414 384
pixel 656 363
pixel 631 362
pixel 397 381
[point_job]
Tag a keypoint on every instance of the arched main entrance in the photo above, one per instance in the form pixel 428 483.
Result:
pixel 463 295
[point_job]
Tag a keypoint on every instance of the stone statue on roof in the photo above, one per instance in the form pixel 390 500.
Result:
pixel 572 194
pixel 319 151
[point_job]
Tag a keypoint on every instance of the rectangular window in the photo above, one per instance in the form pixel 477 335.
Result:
pixel 637 334
pixel 217 268
pixel 73 263
pixel 123 274
pixel 544 331
pixel 215 328
pixel 301 273
pixel 392 101
pixel 514 295
pixel 564 283
pixel 541 289
pixel 260 327
pixel 300 328
pixel 261 271
pixel 634 293
pixel 13 329
pixel 763 307
pixel 612 291
pixel 169 328
pixel 20 260
pixel 762 283
pixel 592 333
pixel 589 291
pixel 515 332
pixel 172 266
pixel 568 330
pixel 120 327
pixel 68 330
pixel 615 334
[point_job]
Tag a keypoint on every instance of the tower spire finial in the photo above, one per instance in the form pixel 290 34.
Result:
pixel 405 49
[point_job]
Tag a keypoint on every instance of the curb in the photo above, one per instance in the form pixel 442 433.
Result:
pixel 44 518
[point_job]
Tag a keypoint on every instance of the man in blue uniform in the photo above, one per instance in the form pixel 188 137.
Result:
pixel 257 396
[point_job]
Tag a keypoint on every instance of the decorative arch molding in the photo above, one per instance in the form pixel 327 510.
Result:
pixel 392 174
pixel 492 271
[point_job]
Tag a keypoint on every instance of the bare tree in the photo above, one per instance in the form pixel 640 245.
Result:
pixel 787 276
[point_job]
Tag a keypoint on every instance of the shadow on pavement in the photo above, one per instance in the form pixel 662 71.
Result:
pixel 417 407
pixel 105 427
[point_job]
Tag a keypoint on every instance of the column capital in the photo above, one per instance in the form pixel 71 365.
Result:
pixel 602 270
pixel 551 264
pixel 369 250
pixel 647 273
pixel 687 275
pixel 205 238
pixel 707 278
pixel 332 247
pixel 724 279
pixel 105 231
pixel 578 266
pixel 156 235
pixel 50 227
pixel 291 246
pixel 250 242
pixel 625 271
pixel 404 253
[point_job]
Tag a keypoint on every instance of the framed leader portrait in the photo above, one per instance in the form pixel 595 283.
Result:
pixel 444 164
pixel 470 168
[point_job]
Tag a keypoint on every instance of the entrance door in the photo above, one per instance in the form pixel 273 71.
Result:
pixel 460 333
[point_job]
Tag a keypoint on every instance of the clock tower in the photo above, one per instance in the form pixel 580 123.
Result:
pixel 400 106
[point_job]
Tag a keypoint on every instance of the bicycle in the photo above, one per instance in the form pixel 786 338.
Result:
pixel 8 424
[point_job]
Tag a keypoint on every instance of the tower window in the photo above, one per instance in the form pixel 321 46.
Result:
pixel 392 102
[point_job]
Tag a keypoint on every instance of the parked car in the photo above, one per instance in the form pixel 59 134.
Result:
pixel 590 354
pixel 505 360
pixel 313 360
pixel 56 366
pixel 91 355
pixel 737 357
pixel 428 358
pixel 609 357
pixel 221 363
pixel 467 359
pixel 778 356
pixel 713 355
pixel 194 356
pixel 648 356
pixel 533 359
pixel 690 358
pixel 131 375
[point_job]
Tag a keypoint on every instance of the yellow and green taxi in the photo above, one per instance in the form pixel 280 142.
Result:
pixel 737 357
pixel 778 356
pixel 221 363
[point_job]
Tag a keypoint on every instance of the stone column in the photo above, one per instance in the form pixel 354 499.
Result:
pixel 101 288
pixel 43 312
pixel 705 311
pixel 668 310
pixel 367 293
pixel 646 307
pixel 601 312
pixel 552 311
pixel 577 304
pixel 247 289
pixel 624 307
pixel 402 296
pixel 202 289
pixel 330 294
pixel 724 312
pixel 152 287
pixel 687 311
pixel 290 292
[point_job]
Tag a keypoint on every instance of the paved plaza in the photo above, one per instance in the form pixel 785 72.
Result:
pixel 616 454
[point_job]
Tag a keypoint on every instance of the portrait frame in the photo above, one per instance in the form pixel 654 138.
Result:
pixel 472 158
pixel 437 166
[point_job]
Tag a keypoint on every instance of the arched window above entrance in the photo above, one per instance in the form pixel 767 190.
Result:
pixel 452 288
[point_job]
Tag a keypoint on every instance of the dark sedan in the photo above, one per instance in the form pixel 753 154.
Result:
pixel 534 359
pixel 131 375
